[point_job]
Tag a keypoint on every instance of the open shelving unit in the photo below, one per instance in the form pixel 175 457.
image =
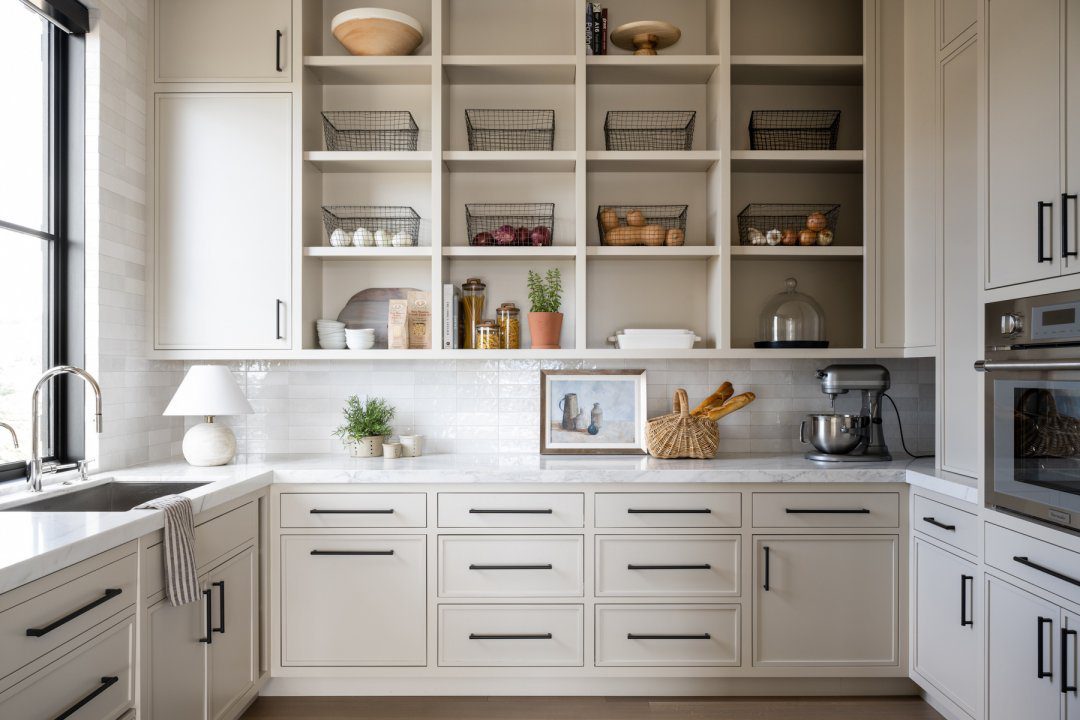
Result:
pixel 734 56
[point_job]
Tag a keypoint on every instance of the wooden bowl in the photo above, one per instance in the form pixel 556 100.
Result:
pixel 375 31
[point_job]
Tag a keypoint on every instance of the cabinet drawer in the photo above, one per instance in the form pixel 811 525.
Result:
pixel 97 674
pixel 826 509
pixel 945 523
pixel 667 565
pixel 679 635
pixel 668 510
pixel 57 613
pixel 511 635
pixel 511 566
pixel 1047 566
pixel 353 600
pixel 353 510
pixel 511 510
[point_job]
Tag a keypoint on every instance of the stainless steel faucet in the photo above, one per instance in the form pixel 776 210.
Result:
pixel 34 478
pixel 14 437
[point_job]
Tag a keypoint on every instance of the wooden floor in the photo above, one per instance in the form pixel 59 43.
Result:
pixel 507 708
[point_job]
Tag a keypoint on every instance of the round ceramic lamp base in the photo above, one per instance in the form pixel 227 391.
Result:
pixel 645 37
pixel 209 444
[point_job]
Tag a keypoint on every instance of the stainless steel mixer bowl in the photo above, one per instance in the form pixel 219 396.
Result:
pixel 831 433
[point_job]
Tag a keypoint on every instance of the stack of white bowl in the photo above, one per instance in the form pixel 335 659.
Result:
pixel 331 334
pixel 360 338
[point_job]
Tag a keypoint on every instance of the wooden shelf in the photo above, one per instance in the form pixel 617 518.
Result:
pixel 519 161
pixel 796 69
pixel 681 252
pixel 351 162
pixel 651 161
pixel 382 253
pixel 509 253
pixel 791 252
pixel 650 69
pixel 354 70
pixel 510 69
pixel 797 161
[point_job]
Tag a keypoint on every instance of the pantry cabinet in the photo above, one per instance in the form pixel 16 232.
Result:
pixel 223 218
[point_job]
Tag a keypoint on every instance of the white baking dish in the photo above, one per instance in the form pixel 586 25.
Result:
pixel 654 339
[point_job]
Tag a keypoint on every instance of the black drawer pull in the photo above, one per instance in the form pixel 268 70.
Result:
pixel 635 636
pixel 1065 251
pixel 1065 686
pixel 352 552
pixel 964 619
pixel 1043 569
pixel 220 585
pixel 936 523
pixel 538 636
pixel 826 511
pixel 106 683
pixel 703 566
pixel 650 511
pixel 277 320
pixel 209 639
pixel 511 511
pixel 1040 646
pixel 511 567
pixel 1042 205
pixel 352 512
pixel 765 586
pixel 277 51
pixel 38 632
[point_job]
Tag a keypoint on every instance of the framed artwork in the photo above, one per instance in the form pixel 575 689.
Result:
pixel 592 412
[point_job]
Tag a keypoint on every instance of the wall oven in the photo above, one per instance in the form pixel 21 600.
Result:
pixel 1032 428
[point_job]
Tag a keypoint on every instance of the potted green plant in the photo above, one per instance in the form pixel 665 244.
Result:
pixel 366 426
pixel 545 298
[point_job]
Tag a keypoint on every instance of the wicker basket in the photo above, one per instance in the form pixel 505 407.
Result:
pixel 1042 431
pixel 680 434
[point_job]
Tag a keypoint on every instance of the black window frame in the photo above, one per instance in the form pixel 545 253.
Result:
pixel 68 22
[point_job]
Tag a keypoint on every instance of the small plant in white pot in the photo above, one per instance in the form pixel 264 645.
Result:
pixel 366 426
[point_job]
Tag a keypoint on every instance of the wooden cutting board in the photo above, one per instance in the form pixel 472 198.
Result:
pixel 370 309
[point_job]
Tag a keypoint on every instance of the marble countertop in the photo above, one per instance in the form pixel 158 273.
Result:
pixel 33 544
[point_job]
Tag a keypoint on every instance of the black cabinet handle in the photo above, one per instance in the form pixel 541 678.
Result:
pixel 1040 673
pixel 277 320
pixel 1065 251
pixel 678 511
pixel 510 567
pixel 1065 633
pixel 538 636
pixel 209 639
pixel 937 523
pixel 1042 231
pixel 352 512
pixel 277 51
pixel 352 552
pixel 826 511
pixel 511 511
pixel 635 636
pixel 964 619
pixel 39 632
pixel 766 585
pixel 106 683
pixel 220 585
pixel 703 566
pixel 1043 569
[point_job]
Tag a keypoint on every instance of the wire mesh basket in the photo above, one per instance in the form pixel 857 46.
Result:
pixel 370 130
pixel 794 129
pixel 649 129
pixel 518 224
pixel 761 218
pixel 372 225
pixel 510 129
pixel 632 224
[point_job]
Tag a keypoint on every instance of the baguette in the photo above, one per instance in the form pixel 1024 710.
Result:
pixel 719 397
pixel 733 404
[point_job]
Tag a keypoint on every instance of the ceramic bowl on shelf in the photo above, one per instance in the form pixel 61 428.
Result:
pixel 654 339
pixel 376 31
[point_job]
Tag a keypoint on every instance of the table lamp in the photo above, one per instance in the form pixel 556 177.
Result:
pixel 209 390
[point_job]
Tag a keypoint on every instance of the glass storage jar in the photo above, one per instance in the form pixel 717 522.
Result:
pixel 792 319
pixel 472 310
pixel 487 335
pixel 508 317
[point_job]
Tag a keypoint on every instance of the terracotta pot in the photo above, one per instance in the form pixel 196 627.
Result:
pixel 545 328
pixel 367 447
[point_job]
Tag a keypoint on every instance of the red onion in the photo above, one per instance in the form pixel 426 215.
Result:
pixel 504 235
pixel 521 236
pixel 483 238
pixel 540 236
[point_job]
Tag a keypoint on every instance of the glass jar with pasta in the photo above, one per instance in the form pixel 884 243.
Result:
pixel 508 317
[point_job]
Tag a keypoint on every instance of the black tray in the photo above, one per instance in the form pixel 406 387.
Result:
pixel 791 344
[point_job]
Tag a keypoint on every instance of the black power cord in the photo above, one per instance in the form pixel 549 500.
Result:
pixel 900 425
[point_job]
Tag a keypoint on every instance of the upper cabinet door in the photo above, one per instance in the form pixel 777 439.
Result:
pixel 223 40
pixel 223 220
pixel 1025 146
pixel 1071 209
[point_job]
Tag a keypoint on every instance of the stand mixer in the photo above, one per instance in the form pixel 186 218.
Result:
pixel 849 438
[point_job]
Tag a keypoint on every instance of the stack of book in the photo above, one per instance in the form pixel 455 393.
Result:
pixel 596 34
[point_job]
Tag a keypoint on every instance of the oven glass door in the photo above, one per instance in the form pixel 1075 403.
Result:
pixel 1036 440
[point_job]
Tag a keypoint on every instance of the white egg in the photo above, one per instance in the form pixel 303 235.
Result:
pixel 362 237
pixel 755 237
pixel 773 237
pixel 382 238
pixel 338 239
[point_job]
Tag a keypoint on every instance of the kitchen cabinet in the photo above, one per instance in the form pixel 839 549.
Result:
pixel 222 40
pixel 948 624
pixel 1021 650
pixel 825 600
pixel 1070 664
pixel 233 661
pixel 175 661
pixel 223 219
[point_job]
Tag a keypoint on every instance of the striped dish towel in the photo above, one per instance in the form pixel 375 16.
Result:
pixel 181 579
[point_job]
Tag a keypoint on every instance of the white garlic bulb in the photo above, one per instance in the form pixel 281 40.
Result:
pixel 382 238
pixel 773 237
pixel 755 236
pixel 338 238
pixel 362 237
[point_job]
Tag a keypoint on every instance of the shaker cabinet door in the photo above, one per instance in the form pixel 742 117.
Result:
pixel 174 682
pixel 234 654
pixel 1071 204
pixel 1022 676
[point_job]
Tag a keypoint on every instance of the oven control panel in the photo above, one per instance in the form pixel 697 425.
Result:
pixel 1050 320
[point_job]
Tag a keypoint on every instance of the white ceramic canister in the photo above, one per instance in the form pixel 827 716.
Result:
pixel 391 450
pixel 412 445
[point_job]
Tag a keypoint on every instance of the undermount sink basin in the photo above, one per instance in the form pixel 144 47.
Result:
pixel 112 496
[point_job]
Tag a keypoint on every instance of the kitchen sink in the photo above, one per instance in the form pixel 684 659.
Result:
pixel 112 496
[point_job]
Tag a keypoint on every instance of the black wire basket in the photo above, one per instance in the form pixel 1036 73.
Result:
pixel 649 129
pixel 794 129
pixel 668 217
pixel 510 129
pixel 510 224
pixel 382 224
pixel 370 130
pixel 765 217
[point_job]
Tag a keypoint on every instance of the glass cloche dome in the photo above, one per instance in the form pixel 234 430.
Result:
pixel 792 319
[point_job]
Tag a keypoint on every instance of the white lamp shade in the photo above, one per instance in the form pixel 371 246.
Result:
pixel 208 390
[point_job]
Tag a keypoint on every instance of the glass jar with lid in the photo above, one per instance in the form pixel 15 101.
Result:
pixel 792 319
pixel 472 310
pixel 508 316
pixel 487 335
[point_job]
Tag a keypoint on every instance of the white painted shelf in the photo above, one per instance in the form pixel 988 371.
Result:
pixel 651 69
pixel 791 252
pixel 328 161
pixel 514 162
pixel 797 161
pixel 796 69
pixel 354 70
pixel 510 69
pixel 510 253
pixel 530 354
pixel 345 253
pixel 651 161
pixel 681 252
